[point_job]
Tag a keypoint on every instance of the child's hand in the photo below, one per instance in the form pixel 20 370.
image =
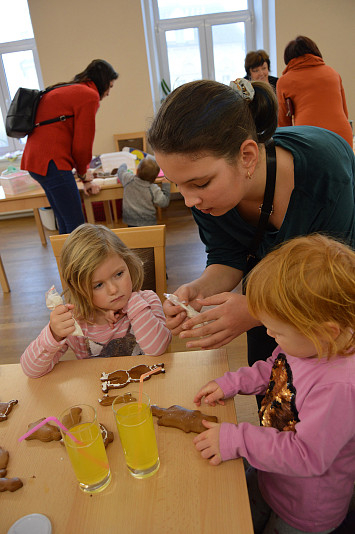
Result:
pixel 208 443
pixel 61 321
pixel 112 317
pixel 212 393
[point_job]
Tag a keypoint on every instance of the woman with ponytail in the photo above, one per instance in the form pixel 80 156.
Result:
pixel 220 146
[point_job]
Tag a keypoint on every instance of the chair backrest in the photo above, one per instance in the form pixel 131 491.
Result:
pixel 149 244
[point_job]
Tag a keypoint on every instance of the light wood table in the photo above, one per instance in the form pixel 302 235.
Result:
pixel 37 199
pixel 187 494
pixel 32 200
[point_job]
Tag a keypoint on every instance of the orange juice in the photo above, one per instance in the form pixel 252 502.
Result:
pixel 135 426
pixel 88 458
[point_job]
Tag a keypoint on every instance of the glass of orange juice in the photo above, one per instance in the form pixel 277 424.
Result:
pixel 135 426
pixel 87 452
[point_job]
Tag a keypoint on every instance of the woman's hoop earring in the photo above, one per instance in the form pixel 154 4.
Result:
pixel 248 175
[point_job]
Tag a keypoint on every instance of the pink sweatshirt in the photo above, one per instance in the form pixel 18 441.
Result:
pixel 142 330
pixel 307 476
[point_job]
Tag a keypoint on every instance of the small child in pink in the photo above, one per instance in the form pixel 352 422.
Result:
pixel 104 280
pixel 302 458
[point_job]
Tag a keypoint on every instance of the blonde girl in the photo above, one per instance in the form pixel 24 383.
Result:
pixel 303 456
pixel 104 280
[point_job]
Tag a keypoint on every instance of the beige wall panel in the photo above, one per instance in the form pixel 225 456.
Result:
pixel 70 33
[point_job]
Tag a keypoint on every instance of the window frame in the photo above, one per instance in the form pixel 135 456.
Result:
pixel 157 52
pixel 5 97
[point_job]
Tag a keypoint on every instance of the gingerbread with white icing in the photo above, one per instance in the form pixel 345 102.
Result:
pixel 121 378
pixel 5 408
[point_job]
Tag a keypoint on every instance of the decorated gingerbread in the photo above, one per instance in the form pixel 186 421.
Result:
pixel 121 378
pixel 5 408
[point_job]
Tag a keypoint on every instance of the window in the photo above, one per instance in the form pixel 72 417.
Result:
pixel 194 39
pixel 19 63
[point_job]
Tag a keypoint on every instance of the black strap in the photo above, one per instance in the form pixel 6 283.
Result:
pixel 56 119
pixel 266 208
pixel 61 118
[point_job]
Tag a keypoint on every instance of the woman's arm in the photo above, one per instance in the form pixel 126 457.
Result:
pixel 214 279
pixel 228 318
pixel 284 119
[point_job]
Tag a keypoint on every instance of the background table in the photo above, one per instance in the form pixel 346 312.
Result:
pixel 185 495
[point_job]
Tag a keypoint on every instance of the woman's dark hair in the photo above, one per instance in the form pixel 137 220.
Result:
pixel 299 47
pixel 100 72
pixel 208 117
pixel 255 59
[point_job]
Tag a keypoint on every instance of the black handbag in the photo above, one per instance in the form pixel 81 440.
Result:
pixel 265 209
pixel 21 117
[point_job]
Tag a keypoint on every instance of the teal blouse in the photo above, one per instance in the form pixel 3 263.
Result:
pixel 323 199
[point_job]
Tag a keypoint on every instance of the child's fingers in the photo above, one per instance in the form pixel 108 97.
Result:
pixel 209 424
pixel 216 459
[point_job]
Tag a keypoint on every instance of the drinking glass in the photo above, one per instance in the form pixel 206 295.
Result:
pixel 87 453
pixel 136 430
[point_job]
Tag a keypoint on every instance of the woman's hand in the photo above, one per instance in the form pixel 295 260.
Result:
pixel 175 315
pixel 208 443
pixel 61 321
pixel 91 188
pixel 212 392
pixel 226 321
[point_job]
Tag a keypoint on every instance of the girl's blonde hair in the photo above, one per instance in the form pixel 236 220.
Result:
pixel 83 251
pixel 307 282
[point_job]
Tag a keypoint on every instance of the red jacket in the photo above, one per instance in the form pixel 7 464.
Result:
pixel 317 94
pixel 69 143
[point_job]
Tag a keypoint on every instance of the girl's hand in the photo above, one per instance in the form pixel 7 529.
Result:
pixel 61 321
pixel 226 321
pixel 212 392
pixel 112 317
pixel 175 315
pixel 208 443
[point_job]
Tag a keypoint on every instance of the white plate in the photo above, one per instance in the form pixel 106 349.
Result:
pixel 31 524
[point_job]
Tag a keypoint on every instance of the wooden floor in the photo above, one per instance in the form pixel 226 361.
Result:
pixel 31 270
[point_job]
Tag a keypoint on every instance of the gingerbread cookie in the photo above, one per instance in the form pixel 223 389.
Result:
pixel 47 432
pixel 72 418
pixel 7 484
pixel 4 459
pixel 107 400
pixel 121 378
pixel 10 484
pixel 182 418
pixel 5 409
pixel 107 435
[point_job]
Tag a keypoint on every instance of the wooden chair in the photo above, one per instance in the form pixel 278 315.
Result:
pixel 134 139
pixel 149 244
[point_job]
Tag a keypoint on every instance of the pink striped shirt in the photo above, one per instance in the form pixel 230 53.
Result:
pixel 142 330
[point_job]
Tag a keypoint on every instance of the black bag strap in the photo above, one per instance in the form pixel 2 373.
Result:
pixel 61 118
pixel 56 119
pixel 266 208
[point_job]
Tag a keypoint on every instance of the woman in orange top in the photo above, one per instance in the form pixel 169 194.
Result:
pixel 309 92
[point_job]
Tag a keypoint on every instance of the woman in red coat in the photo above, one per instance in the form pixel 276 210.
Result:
pixel 53 150
pixel 309 92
